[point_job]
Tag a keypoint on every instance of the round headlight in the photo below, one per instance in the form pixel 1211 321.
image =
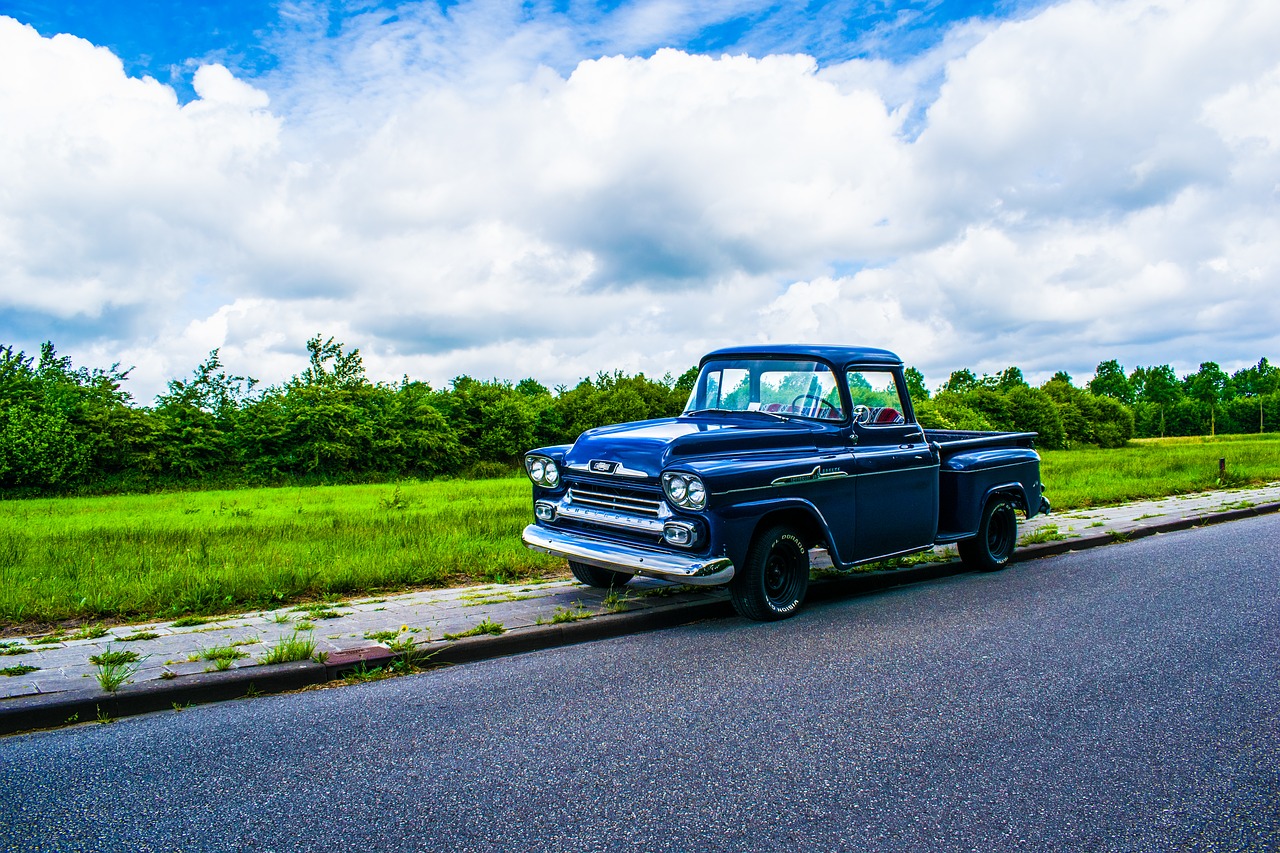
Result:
pixel 536 471
pixel 697 493
pixel 677 488
pixel 550 473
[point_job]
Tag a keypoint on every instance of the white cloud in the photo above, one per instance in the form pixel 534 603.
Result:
pixel 215 86
pixel 1094 181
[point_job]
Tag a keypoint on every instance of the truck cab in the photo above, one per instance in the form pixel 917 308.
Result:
pixel 780 449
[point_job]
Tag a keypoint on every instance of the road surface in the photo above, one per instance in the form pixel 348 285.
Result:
pixel 1123 698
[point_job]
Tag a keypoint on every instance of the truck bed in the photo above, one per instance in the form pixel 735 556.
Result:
pixel 954 440
pixel 975 465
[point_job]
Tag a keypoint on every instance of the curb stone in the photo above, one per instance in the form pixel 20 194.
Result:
pixel 85 706
pixel 51 710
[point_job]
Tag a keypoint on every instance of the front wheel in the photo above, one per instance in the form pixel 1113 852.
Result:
pixel 598 577
pixel 775 577
pixel 991 549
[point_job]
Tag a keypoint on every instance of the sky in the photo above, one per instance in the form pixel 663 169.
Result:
pixel 552 189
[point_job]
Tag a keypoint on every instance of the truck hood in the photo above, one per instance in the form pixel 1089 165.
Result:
pixel 650 446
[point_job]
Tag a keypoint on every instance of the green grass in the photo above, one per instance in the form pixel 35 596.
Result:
pixel 114 667
pixel 289 649
pixel 114 656
pixel 220 656
pixel 170 555
pixel 485 627
pixel 565 614
pixel 1048 533
pixel 22 669
pixel 1157 467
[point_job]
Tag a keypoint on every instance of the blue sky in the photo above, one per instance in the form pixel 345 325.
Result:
pixel 507 189
pixel 167 40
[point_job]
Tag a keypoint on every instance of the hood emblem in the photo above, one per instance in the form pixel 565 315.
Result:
pixel 606 468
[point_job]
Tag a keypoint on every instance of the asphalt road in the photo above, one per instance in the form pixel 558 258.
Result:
pixel 1123 698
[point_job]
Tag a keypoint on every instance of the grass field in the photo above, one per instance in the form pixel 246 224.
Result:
pixel 142 556
pixel 1155 467
pixel 72 560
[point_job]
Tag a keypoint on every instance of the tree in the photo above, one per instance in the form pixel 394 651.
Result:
pixel 1075 425
pixel 194 420
pixel 39 446
pixel 915 385
pixel 1008 379
pixel 1109 381
pixel 330 367
pixel 1033 410
pixel 1264 378
pixel 950 411
pixel 1156 391
pixel 1209 386
pixel 961 382
pixel 684 385
pixel 1157 385
pixel 210 389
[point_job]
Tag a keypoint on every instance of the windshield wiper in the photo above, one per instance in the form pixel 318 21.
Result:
pixel 737 412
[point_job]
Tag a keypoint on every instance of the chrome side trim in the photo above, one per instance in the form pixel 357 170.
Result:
pixel 800 479
pixel 818 473
pixel 632 559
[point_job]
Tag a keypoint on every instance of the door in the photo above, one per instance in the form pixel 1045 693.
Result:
pixel 897 473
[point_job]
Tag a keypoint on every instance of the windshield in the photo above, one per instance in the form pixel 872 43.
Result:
pixel 805 389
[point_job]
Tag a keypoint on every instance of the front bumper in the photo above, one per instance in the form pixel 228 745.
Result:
pixel 633 559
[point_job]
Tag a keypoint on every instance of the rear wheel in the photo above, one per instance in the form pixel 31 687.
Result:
pixel 596 576
pixel 991 549
pixel 773 581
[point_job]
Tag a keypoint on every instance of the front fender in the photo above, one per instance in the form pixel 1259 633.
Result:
pixel 737 524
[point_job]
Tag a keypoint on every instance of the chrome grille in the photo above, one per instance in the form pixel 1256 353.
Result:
pixel 627 501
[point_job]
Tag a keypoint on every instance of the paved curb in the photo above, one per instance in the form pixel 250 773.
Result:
pixel 51 710
pixel 1063 546
pixel 85 706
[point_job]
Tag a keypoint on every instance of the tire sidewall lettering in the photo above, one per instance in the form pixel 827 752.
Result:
pixel 794 604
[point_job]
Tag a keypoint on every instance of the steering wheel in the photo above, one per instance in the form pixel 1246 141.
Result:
pixel 823 406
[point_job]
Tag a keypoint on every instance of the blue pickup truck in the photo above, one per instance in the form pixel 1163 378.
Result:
pixel 780 449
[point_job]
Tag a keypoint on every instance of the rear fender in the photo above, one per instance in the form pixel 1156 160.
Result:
pixel 969 479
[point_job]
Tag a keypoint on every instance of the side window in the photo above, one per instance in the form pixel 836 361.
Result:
pixel 875 398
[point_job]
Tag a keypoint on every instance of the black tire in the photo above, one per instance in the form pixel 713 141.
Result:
pixel 772 583
pixel 991 549
pixel 598 577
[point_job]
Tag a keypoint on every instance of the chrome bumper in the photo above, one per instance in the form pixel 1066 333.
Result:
pixel 633 559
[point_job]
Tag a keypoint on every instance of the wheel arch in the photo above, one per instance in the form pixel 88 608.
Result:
pixel 804 522
pixel 1012 492
pixel 746 522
